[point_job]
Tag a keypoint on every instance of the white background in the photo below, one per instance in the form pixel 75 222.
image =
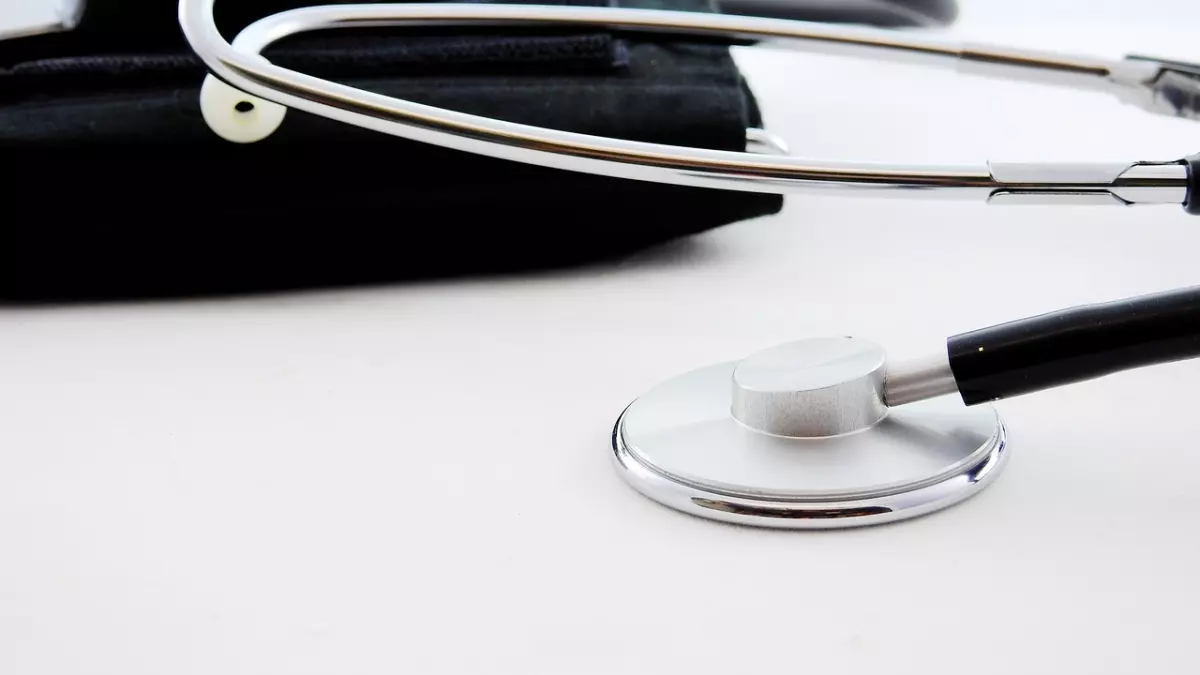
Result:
pixel 416 478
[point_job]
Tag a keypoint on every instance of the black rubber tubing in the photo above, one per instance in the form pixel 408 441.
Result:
pixel 1192 202
pixel 1075 344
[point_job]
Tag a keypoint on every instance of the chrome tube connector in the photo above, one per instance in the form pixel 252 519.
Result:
pixel 1173 88
pixel 1087 184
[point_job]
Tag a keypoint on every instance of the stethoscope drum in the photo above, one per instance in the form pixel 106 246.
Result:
pixel 799 436
pixel 829 432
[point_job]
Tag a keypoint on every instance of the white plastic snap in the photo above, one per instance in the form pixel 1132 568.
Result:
pixel 237 116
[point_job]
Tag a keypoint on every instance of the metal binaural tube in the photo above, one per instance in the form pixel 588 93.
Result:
pixel 240 66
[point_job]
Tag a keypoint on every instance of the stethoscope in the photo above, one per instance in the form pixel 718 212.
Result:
pixel 819 433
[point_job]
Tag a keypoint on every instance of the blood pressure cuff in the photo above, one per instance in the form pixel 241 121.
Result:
pixel 115 186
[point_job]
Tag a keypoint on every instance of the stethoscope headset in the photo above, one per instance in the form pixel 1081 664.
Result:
pixel 819 433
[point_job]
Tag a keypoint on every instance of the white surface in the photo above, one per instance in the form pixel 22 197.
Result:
pixel 416 479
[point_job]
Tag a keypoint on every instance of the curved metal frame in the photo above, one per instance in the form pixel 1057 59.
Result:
pixel 1136 80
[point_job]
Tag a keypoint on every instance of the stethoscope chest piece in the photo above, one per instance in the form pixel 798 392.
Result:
pixel 799 436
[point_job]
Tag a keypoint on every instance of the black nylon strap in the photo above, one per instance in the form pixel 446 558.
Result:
pixel 131 195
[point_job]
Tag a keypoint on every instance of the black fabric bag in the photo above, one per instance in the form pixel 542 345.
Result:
pixel 115 186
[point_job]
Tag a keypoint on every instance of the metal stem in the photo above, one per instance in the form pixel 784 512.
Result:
pixel 918 379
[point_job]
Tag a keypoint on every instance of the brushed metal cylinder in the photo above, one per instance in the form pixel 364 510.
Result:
pixel 811 388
